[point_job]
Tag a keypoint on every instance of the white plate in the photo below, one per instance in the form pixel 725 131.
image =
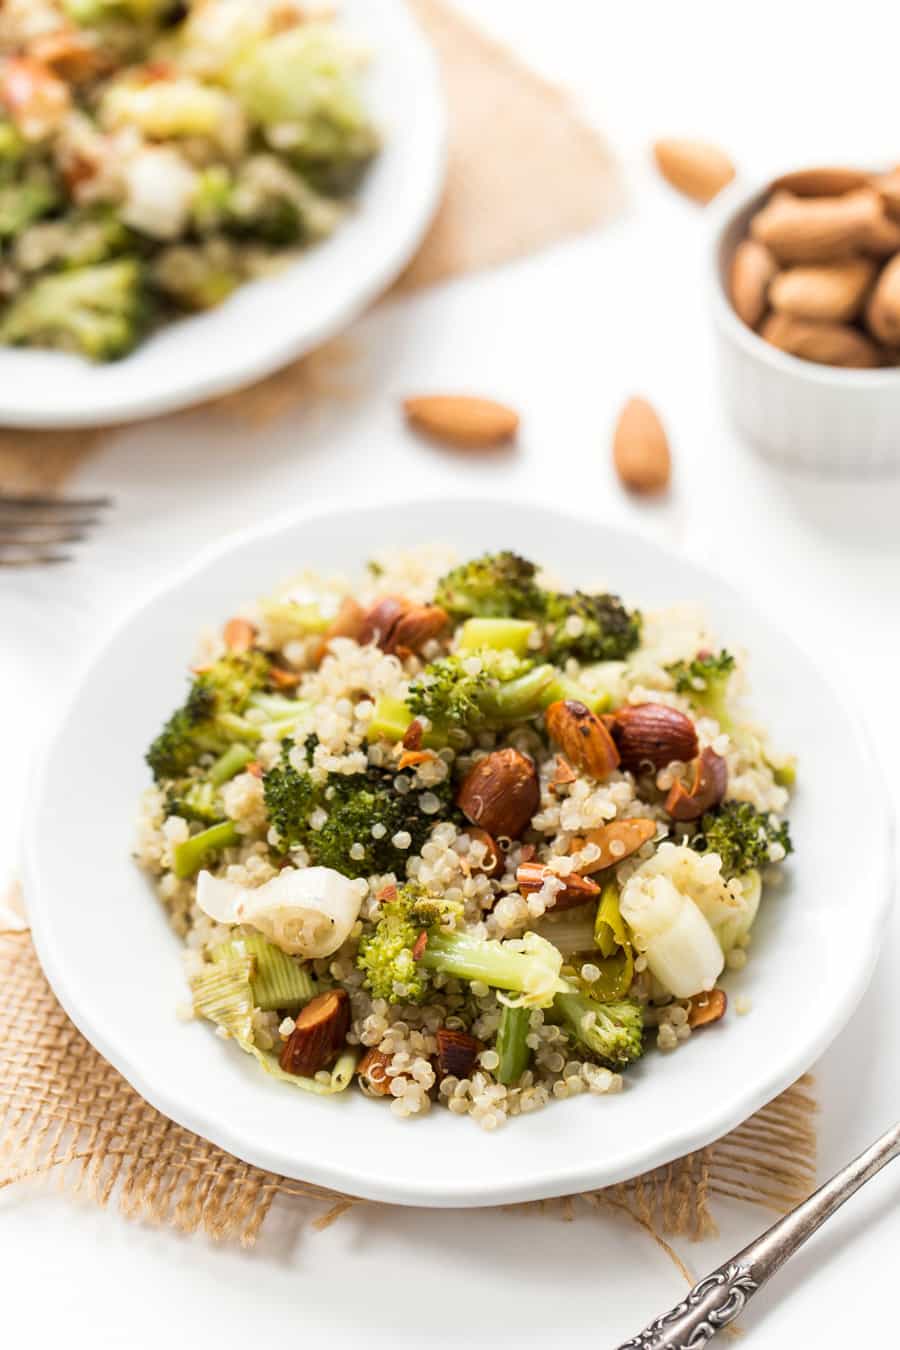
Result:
pixel 268 323
pixel 115 965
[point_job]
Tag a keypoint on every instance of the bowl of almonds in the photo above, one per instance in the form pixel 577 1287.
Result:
pixel 807 307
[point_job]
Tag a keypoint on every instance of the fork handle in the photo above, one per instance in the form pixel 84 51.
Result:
pixel 722 1295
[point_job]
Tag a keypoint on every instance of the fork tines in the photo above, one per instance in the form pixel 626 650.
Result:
pixel 35 526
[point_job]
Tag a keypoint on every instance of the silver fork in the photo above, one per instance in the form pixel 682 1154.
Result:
pixel 722 1295
pixel 37 529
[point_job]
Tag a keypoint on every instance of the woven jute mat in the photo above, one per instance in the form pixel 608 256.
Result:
pixel 524 171
pixel 69 1119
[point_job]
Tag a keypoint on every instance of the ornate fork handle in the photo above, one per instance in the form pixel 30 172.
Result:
pixel 721 1296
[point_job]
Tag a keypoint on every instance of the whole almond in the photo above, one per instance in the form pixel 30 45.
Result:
pixel 698 169
pixel 457 1052
pixel 882 238
pixel 320 1030
pixel 641 449
pixel 373 1074
pixel 616 841
pixel 582 737
pixel 530 877
pixel 825 291
pixel 706 790
pixel 888 189
pixel 752 269
pixel 828 182
pixel 473 423
pixel 831 344
pixel 883 309
pixel 654 733
pixel 349 621
pixel 708 1007
pixel 380 620
pixel 815 229
pixel 416 627
pixel 500 793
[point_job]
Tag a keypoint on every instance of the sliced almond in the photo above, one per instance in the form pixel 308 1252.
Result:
pixel 883 309
pixel 411 758
pixel 563 773
pixel 824 291
pixel 830 344
pixel 582 737
pixel 708 1007
pixel 616 841
pixel 752 269
pixel 412 739
pixel 707 788
pixel 373 1075
pixel 816 229
pixel 254 768
pixel 641 448
pixel 473 423
pixel 576 890
pixel 698 169
pixel 320 1030
pixel 348 622
pixel 828 182
pixel 492 858
pixel 500 793
pixel 457 1052
pixel 284 679
pixel 239 635
pixel 653 734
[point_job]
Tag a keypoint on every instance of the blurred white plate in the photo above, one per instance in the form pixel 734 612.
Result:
pixel 115 965
pixel 268 323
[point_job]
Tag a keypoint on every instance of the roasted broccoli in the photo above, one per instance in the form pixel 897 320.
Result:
pixel 705 682
pixel 210 720
pixel 24 201
pixel 472 690
pixel 498 585
pixel 396 960
pixel 613 1032
pixel 589 627
pixel 350 821
pixel 743 837
pixel 98 311
pixel 197 276
pixel 200 798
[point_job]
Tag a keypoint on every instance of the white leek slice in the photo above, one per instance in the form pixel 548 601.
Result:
pixel 306 911
pixel 670 929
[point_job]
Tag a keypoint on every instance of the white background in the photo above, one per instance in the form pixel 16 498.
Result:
pixel 565 337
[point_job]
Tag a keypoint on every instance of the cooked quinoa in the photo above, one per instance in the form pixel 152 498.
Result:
pixel 154 155
pixel 460 835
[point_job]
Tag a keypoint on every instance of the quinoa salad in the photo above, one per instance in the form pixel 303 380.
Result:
pixel 461 836
pixel 155 155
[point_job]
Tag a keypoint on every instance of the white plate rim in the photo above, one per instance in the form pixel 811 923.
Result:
pixel 676 1142
pixel 420 206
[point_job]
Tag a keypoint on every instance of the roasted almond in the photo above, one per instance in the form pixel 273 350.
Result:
pixel 320 1030
pixel 530 877
pixel 707 788
pixel 883 309
pixel 457 1052
pixel 641 449
pixel 708 1007
pixel 752 269
pixel 582 737
pixel 653 733
pixel 492 858
pixel 888 189
pixel 830 344
pixel 412 739
pixel 563 773
pixel 239 635
pixel 696 168
pixel 825 291
pixel 828 182
pixel 500 793
pixel 380 620
pixel 882 238
pixel 616 841
pixel 372 1072
pixel 280 678
pixel 349 622
pixel 413 629
pixel 815 229
pixel 473 423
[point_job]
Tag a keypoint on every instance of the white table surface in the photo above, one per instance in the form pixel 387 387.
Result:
pixel 565 336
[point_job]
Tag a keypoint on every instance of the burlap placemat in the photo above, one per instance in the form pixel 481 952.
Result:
pixel 523 171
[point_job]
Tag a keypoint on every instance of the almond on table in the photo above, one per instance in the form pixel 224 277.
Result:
pixel 460 420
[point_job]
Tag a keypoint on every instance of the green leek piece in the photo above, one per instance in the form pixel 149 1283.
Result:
pixel 785 774
pixel 611 936
pixel 229 764
pixel 293 619
pixel 390 720
pixel 563 687
pixel 511 699
pixel 222 993
pixel 512 1046
pixel 496 634
pixel 276 980
pixel 190 855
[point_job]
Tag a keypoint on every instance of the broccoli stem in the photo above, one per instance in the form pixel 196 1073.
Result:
pixel 229 764
pixel 512 1046
pixel 468 958
pixel 190 855
pixel 496 634
pixel 512 699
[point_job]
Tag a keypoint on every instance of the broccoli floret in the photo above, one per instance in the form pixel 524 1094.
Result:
pixel 80 239
pixel 194 799
pixel 197 276
pixel 354 804
pixel 24 202
pixel 613 1032
pixel 396 961
pixel 606 630
pixel 453 695
pixel 498 585
pixel 210 720
pixel 98 312
pixel 742 836
pixel 13 150
pixel 705 682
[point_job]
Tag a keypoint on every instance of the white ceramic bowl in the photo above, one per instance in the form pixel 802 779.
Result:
pixel 797 412
pixel 270 322
pixel 116 967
